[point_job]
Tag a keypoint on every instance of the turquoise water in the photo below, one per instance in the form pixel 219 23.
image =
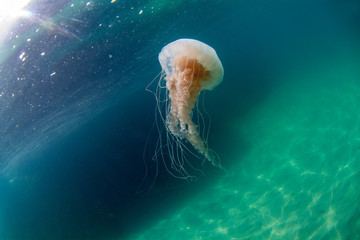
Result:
pixel 298 177
pixel 75 118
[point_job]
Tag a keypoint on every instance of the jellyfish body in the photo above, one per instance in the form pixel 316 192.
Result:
pixel 188 67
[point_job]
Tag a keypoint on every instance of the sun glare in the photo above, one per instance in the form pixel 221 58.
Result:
pixel 12 9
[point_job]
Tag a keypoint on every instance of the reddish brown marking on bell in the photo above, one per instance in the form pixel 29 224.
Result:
pixel 190 66
pixel 188 80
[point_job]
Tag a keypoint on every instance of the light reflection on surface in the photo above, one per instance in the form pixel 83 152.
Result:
pixel 9 12
pixel 12 9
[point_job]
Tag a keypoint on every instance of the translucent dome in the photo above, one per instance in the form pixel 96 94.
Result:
pixel 193 49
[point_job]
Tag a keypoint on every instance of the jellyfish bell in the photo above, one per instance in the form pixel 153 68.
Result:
pixel 188 67
pixel 193 49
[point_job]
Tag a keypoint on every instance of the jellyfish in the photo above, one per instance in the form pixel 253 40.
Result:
pixel 188 67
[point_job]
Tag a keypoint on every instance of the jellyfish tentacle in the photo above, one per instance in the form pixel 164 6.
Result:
pixel 185 85
pixel 188 67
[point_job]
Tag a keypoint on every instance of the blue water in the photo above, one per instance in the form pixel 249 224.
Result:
pixel 75 117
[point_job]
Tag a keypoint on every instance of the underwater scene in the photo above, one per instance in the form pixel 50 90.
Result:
pixel 112 129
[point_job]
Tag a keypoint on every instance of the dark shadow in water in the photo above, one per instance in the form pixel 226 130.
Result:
pixel 84 187
pixel 247 84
